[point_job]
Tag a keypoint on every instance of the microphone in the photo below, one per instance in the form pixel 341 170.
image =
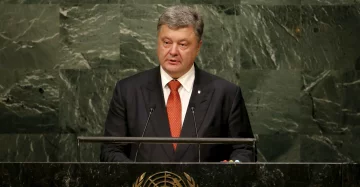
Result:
pixel 142 135
pixel 196 130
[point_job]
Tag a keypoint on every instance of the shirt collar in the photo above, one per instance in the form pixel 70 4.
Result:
pixel 187 80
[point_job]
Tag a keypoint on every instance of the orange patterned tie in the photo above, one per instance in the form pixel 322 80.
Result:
pixel 173 108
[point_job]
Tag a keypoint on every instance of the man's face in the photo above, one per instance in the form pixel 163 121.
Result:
pixel 177 49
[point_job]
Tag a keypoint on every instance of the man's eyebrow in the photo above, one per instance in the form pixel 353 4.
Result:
pixel 182 40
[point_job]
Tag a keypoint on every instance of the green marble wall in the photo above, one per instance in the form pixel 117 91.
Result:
pixel 298 62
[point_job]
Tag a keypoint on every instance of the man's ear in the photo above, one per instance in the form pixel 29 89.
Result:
pixel 199 46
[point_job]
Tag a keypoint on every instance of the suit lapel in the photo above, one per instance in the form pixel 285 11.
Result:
pixel 200 99
pixel 154 96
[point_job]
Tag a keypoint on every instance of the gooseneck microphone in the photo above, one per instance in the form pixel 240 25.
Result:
pixel 196 130
pixel 142 135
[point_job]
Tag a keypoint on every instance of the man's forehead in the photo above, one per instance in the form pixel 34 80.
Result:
pixel 164 30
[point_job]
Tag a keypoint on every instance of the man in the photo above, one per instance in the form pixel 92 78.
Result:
pixel 171 91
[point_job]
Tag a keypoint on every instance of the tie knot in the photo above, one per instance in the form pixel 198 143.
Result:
pixel 174 85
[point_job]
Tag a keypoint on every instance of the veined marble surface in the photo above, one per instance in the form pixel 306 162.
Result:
pixel 297 63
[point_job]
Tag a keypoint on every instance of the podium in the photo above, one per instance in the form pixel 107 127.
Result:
pixel 167 140
pixel 180 174
pixel 191 174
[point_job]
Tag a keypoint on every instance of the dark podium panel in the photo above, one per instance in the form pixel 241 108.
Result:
pixel 179 174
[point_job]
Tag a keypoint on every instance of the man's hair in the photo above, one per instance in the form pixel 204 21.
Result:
pixel 180 16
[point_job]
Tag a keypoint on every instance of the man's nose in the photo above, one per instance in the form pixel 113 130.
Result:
pixel 174 50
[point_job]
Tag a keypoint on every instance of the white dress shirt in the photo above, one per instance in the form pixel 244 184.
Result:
pixel 187 82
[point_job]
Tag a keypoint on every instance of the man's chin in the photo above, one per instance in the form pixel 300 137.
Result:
pixel 172 67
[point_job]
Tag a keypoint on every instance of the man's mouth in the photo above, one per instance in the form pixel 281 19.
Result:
pixel 173 61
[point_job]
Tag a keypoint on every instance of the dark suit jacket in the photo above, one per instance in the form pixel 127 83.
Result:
pixel 219 111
